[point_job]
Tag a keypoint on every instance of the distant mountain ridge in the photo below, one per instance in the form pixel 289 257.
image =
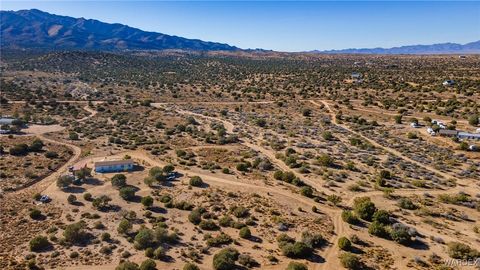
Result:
pixel 35 29
pixel 441 48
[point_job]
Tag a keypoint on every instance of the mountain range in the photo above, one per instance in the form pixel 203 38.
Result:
pixel 36 29
pixel 441 48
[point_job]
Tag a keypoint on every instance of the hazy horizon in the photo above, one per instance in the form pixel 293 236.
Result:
pixel 286 26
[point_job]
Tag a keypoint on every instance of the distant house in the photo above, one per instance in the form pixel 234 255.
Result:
pixel 431 131
pixel 467 135
pixel 472 147
pixel 113 166
pixel 478 130
pixel 356 75
pixel 414 125
pixel 448 83
pixel 448 133
pixel 462 56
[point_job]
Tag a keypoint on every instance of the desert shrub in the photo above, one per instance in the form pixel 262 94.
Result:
pixel 144 238
pixel 71 199
pixel 35 213
pixel 325 160
pixel 87 196
pixel 64 181
pixel 39 243
pixel 239 211
pixel 247 260
pixel 399 233
pixel 335 199
pixel 124 226
pixel 225 221
pixel 162 236
pixel 219 240
pixel 349 261
pixel 127 266
pixel 51 154
pixel 190 266
pixel 106 236
pixel 382 217
pixel 147 201
pixel 159 253
pixel 18 150
pixel 208 225
pixel 196 181
pixel 75 232
pixel 245 233
pixel 364 208
pixel 349 217
pixel 119 180
pixel 458 250
pixel 406 203
pixel 377 229
pixel 195 217
pixel 306 191
pixel 344 243
pixel 148 264
pixel 101 202
pixel 296 266
pixel 225 259
pixel 296 250
pixel 127 193
pixel 312 240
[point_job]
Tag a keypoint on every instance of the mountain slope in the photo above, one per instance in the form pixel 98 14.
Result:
pixel 442 48
pixel 41 30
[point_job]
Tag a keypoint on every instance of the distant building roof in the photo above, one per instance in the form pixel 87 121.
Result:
pixel 113 162
pixel 448 132
pixel 6 120
pixel 469 135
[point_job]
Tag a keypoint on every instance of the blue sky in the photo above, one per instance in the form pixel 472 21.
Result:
pixel 286 26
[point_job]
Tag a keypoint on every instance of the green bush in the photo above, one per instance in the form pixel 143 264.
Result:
pixel 195 217
pixel 458 250
pixel 39 243
pixel 344 243
pixel 159 253
pixel 225 259
pixel 219 240
pixel 35 213
pixel 350 261
pixel 382 217
pixel 296 266
pixel 190 266
pixel 406 203
pixel 377 229
pixel 127 193
pixel 306 191
pixel 245 233
pixel 364 208
pixel 147 201
pixel 144 238
pixel 119 180
pixel 296 250
pixel 75 233
pixel 208 225
pixel 127 266
pixel 196 181
pixel 400 234
pixel 124 226
pixel 349 217
pixel 148 264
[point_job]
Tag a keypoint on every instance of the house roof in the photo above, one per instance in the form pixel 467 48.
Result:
pixel 466 134
pixel 6 121
pixel 448 132
pixel 113 162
